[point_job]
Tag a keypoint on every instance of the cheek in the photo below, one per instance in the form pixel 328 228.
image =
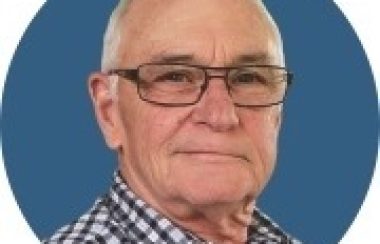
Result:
pixel 262 131
pixel 145 127
pixel 151 133
pixel 147 134
pixel 262 128
pixel 158 128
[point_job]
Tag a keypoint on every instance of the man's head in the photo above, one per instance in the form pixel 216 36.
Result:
pixel 212 151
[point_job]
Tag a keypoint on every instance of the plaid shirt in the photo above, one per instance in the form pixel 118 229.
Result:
pixel 121 217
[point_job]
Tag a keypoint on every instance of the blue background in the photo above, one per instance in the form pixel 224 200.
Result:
pixel 58 164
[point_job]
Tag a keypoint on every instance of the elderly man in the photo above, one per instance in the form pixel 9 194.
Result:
pixel 190 98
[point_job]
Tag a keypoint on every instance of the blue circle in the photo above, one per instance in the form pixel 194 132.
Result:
pixel 57 161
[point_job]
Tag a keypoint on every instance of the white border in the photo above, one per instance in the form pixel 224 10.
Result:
pixel 15 15
pixel 363 15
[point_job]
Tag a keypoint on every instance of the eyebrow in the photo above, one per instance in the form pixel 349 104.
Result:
pixel 172 58
pixel 257 58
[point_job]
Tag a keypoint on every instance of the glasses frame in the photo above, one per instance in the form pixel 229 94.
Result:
pixel 132 75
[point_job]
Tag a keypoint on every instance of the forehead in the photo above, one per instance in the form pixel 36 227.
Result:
pixel 205 29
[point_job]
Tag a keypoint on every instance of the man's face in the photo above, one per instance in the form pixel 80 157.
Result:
pixel 213 151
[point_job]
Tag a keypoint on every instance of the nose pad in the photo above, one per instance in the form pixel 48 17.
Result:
pixel 219 77
pixel 216 108
pixel 214 81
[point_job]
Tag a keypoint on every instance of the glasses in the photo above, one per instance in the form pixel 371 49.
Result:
pixel 182 84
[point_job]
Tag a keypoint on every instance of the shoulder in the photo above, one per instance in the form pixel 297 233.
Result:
pixel 97 225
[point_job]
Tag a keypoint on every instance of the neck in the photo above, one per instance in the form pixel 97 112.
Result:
pixel 218 223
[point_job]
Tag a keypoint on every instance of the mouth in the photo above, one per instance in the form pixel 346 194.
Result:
pixel 214 155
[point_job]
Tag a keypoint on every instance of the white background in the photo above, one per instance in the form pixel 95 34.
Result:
pixel 15 15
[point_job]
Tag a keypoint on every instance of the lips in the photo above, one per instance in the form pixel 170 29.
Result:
pixel 213 154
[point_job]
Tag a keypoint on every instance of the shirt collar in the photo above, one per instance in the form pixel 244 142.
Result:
pixel 140 221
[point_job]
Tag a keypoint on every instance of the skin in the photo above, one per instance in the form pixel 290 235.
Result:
pixel 202 165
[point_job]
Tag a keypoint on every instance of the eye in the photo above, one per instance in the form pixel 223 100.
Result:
pixel 249 78
pixel 175 77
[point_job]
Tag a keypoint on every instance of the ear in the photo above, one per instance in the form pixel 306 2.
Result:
pixel 105 107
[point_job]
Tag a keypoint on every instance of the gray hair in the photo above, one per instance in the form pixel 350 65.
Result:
pixel 111 43
pixel 112 36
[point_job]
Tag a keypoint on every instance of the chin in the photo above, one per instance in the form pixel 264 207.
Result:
pixel 209 198
pixel 222 186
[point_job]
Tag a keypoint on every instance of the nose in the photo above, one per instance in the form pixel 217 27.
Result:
pixel 216 108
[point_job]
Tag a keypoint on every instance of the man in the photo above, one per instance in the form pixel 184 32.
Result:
pixel 190 98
